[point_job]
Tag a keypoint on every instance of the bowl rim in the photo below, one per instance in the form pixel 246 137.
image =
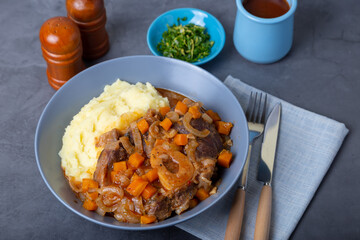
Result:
pixel 218 24
pixel 141 227
pixel 276 20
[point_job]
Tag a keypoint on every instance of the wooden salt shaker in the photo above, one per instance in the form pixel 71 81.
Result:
pixel 62 50
pixel 90 16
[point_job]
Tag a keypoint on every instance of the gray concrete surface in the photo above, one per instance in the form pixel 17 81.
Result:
pixel 321 74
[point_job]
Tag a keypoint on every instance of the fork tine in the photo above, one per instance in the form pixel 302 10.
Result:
pixel 256 109
pixel 252 104
pixel 258 116
pixel 264 110
pixel 253 115
pixel 248 109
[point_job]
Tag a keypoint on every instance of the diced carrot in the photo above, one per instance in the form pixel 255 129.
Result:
pixel 143 125
pixel 193 202
pixel 213 115
pixel 224 158
pixel 90 205
pixel 93 195
pixel 146 219
pixel 88 183
pixel 223 127
pixel 135 160
pixel 164 110
pixel 120 166
pixel 134 177
pixel 181 139
pixel 201 194
pixel 181 108
pixel 137 186
pixel 152 175
pixel 166 124
pixel 148 192
pixel 128 172
pixel 194 110
pixel 159 141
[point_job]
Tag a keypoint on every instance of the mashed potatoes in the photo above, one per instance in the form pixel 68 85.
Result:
pixel 119 104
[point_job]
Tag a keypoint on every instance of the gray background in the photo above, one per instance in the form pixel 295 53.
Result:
pixel 321 74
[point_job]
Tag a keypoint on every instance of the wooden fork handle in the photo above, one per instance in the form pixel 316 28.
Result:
pixel 263 216
pixel 233 228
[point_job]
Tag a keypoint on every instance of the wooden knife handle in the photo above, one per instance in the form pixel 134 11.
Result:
pixel 263 216
pixel 233 228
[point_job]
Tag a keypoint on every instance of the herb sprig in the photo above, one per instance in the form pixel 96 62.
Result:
pixel 188 42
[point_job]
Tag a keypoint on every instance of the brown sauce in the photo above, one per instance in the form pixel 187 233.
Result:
pixel 266 8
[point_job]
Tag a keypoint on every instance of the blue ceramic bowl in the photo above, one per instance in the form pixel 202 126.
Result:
pixel 168 73
pixel 195 16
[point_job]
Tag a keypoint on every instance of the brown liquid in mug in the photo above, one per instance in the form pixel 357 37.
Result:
pixel 266 8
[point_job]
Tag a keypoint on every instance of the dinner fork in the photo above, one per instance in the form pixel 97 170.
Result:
pixel 255 115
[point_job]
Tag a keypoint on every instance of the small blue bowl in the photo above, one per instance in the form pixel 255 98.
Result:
pixel 195 16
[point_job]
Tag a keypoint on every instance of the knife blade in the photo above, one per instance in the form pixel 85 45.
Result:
pixel 268 148
pixel 265 173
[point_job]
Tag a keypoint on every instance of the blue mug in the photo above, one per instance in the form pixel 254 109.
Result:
pixel 263 40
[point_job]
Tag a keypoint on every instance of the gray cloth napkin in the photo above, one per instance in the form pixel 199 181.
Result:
pixel 307 145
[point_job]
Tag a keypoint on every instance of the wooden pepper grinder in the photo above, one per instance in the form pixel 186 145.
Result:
pixel 62 50
pixel 90 16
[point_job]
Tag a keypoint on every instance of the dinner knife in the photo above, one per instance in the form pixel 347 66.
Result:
pixel 265 173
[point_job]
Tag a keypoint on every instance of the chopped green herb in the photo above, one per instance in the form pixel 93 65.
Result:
pixel 185 42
